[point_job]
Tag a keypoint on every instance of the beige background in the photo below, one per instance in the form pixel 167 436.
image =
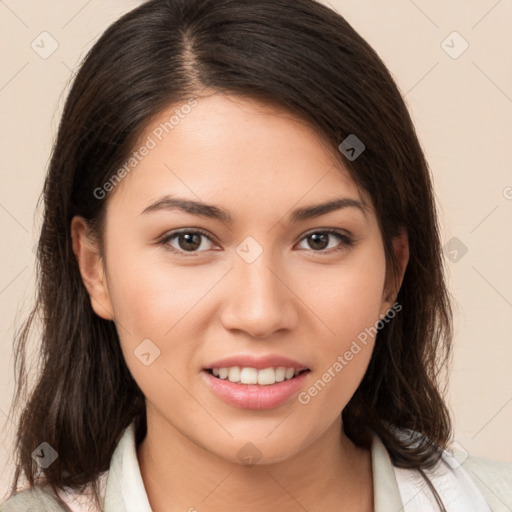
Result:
pixel 462 109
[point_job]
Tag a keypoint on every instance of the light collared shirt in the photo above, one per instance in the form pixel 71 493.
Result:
pixel 464 483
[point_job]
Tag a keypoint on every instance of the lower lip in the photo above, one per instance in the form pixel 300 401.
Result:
pixel 254 396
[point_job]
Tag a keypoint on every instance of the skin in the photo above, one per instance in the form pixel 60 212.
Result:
pixel 295 300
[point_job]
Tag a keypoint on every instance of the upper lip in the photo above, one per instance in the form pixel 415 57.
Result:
pixel 258 362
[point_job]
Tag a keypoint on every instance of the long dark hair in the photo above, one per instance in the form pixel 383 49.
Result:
pixel 305 58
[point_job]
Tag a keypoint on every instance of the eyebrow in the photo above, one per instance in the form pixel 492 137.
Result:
pixel 214 212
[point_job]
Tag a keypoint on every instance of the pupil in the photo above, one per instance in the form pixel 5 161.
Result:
pixel 187 237
pixel 315 237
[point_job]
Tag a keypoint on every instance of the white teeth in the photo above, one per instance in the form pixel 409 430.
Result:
pixel 266 377
pixel 248 375
pixel 234 374
pixel 280 373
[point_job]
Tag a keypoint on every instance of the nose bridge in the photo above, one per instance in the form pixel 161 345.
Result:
pixel 259 284
pixel 259 303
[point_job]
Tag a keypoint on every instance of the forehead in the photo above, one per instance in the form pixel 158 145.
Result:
pixel 232 150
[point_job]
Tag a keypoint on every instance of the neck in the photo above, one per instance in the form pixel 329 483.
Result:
pixel 329 474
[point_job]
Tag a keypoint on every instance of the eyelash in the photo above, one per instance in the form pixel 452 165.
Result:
pixel 346 242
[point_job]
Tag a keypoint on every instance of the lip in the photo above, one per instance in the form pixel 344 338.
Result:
pixel 250 361
pixel 254 396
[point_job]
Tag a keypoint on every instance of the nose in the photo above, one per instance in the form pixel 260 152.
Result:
pixel 258 300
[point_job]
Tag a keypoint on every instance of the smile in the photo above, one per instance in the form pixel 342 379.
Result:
pixel 248 393
pixel 249 375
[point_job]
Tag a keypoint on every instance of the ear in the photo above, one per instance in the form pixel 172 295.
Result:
pixel 393 284
pixel 91 267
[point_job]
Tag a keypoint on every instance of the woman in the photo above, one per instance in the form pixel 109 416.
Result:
pixel 241 280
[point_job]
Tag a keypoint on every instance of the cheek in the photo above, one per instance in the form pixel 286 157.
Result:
pixel 152 303
pixel 348 298
pixel 154 299
pixel 150 295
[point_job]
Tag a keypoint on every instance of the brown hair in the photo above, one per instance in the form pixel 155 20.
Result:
pixel 307 59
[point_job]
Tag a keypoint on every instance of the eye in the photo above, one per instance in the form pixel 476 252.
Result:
pixel 319 241
pixel 187 240
pixel 191 241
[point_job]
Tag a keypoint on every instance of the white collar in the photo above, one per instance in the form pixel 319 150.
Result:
pixel 394 488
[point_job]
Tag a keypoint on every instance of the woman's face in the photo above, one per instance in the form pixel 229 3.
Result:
pixel 262 278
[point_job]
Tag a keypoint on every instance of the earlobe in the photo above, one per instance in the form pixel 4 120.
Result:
pixel 91 268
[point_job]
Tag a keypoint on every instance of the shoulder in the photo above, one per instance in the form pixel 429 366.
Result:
pixel 463 481
pixel 493 479
pixel 488 469
pixel 34 499
pixel 41 498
